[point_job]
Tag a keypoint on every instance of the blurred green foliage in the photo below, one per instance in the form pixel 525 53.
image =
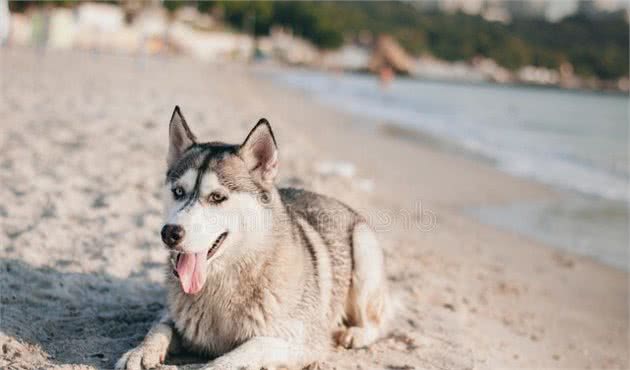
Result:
pixel 595 46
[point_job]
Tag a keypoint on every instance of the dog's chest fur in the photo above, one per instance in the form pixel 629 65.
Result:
pixel 223 315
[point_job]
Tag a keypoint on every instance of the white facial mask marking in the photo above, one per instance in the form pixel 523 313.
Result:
pixel 241 215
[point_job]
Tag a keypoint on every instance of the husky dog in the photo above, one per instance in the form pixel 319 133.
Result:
pixel 258 277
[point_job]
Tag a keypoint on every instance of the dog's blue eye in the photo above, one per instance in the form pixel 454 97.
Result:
pixel 178 192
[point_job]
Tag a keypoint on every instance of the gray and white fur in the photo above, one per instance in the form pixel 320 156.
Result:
pixel 258 277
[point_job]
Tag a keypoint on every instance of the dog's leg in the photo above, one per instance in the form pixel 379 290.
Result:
pixel 366 299
pixel 153 349
pixel 263 352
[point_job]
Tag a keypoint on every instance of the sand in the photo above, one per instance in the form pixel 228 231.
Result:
pixel 82 155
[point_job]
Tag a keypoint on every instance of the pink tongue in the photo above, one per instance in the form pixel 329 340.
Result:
pixel 191 268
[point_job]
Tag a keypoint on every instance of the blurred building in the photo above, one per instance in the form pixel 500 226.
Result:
pixel 538 75
pixel 596 7
pixel 496 11
pixel 108 27
pixel 285 46
pixel 466 6
pixel 210 46
pixel 348 58
pixel 505 10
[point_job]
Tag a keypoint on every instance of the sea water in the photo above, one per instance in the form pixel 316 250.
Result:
pixel 574 141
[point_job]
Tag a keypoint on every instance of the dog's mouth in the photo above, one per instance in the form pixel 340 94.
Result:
pixel 211 252
pixel 190 268
pixel 215 246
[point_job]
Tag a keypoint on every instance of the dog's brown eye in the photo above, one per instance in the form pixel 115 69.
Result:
pixel 178 192
pixel 265 198
pixel 216 197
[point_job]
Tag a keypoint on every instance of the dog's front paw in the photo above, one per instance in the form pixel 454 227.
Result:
pixel 356 337
pixel 141 358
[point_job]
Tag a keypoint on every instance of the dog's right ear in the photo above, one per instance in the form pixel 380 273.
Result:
pixel 180 137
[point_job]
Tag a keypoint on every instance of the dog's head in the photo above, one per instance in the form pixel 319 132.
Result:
pixel 218 199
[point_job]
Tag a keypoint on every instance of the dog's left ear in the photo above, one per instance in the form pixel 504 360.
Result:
pixel 260 153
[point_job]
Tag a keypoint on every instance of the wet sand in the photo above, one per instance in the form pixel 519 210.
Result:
pixel 82 155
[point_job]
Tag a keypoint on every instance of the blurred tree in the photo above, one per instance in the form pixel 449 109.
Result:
pixel 172 5
pixel 206 6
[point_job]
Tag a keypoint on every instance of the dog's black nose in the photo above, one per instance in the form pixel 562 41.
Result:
pixel 172 234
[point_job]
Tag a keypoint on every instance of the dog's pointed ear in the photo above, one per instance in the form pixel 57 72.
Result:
pixel 179 135
pixel 260 153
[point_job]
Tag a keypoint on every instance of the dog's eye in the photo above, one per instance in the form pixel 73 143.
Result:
pixel 178 192
pixel 216 197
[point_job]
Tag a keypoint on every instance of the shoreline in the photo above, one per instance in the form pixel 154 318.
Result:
pixel 496 213
pixel 471 295
pixel 567 200
pixel 554 87
pixel 375 130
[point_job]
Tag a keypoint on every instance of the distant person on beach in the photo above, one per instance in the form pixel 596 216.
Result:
pixel 386 76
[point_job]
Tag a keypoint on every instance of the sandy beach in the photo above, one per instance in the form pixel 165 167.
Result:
pixel 83 143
